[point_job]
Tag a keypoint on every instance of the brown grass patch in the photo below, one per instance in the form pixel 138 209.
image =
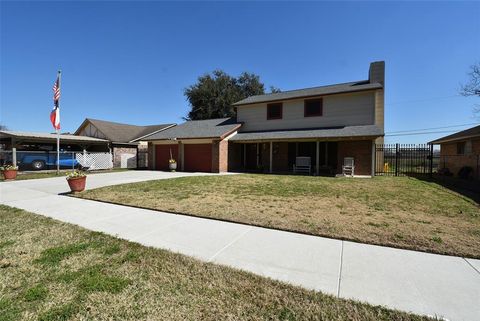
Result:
pixel 394 211
pixel 52 277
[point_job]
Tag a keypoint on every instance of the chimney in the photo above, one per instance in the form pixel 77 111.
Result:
pixel 377 72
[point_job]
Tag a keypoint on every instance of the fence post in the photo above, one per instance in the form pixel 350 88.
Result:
pixel 396 159
pixel 430 169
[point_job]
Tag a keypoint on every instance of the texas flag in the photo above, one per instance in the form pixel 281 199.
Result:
pixel 55 114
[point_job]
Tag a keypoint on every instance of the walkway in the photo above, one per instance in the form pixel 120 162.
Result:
pixel 407 280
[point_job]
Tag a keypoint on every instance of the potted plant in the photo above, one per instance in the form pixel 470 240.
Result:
pixel 9 172
pixel 76 180
pixel 172 163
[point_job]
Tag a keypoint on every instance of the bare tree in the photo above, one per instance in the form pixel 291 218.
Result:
pixel 472 87
pixel 3 127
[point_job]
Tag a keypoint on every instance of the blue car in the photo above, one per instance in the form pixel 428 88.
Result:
pixel 39 161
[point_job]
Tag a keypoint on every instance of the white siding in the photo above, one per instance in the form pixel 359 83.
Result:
pixel 338 110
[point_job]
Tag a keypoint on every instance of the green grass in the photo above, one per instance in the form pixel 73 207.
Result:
pixel 59 271
pixel 426 216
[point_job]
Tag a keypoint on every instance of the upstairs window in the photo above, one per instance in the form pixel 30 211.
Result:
pixel 313 107
pixel 274 111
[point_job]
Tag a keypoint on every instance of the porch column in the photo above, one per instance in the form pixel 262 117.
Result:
pixel 14 152
pixel 271 155
pixel 317 159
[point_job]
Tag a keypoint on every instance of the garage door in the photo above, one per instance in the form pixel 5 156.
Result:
pixel 198 157
pixel 162 155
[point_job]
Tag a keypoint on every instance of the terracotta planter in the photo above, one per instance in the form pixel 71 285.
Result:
pixel 77 184
pixel 10 174
pixel 172 166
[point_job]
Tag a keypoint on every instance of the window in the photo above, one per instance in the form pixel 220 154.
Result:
pixel 464 148
pixel 313 107
pixel 274 111
pixel 461 148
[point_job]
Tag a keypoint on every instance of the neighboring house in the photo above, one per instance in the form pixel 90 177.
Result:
pixel 459 150
pixel 126 143
pixel 325 123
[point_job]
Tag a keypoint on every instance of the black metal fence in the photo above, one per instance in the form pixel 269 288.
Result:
pixel 405 159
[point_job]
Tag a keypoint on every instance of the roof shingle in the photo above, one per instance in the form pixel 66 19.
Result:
pixel 210 128
pixel 124 133
pixel 471 132
pixel 333 132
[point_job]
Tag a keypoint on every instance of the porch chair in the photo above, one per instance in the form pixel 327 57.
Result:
pixel 348 167
pixel 302 165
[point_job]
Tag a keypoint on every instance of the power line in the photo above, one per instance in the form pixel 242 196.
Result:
pixel 422 129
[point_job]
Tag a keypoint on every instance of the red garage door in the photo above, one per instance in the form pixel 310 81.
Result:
pixel 162 155
pixel 198 157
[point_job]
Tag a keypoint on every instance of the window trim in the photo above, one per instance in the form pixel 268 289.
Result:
pixel 305 114
pixel 281 111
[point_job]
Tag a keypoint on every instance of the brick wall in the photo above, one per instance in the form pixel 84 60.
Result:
pixel 361 151
pixel 117 156
pixel 220 156
pixel 454 162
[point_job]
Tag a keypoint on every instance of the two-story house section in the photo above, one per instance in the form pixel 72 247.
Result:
pixel 323 124
pixel 326 123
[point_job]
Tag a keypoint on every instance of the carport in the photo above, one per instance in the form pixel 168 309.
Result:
pixel 15 143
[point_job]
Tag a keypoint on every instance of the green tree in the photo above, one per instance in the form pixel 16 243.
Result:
pixel 213 94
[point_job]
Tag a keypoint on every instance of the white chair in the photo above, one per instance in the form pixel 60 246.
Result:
pixel 302 165
pixel 348 167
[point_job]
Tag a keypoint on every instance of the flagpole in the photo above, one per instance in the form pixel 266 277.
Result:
pixel 58 132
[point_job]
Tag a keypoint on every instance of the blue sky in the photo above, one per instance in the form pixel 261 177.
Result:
pixel 130 61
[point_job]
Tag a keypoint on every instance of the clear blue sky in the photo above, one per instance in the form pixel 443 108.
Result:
pixel 129 62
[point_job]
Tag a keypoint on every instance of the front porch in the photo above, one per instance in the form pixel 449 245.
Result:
pixel 326 157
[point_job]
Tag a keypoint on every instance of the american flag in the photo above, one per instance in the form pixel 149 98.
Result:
pixel 55 114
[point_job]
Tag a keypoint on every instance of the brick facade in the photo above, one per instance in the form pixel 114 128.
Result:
pixel 454 162
pixel 220 156
pixel 361 151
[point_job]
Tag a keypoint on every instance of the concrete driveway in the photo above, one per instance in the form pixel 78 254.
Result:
pixel 422 283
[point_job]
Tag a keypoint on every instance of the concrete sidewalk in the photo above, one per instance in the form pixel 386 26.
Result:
pixel 422 283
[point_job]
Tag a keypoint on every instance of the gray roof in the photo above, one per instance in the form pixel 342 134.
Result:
pixel 47 136
pixel 312 133
pixel 123 133
pixel 211 128
pixel 467 133
pixel 311 92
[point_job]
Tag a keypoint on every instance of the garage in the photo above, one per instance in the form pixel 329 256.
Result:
pixel 162 156
pixel 198 157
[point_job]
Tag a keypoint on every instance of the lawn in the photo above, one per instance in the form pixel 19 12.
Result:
pixel 394 211
pixel 56 271
pixel 35 175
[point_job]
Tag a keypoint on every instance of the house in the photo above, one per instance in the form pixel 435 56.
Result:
pixel 126 143
pixel 325 124
pixel 460 150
